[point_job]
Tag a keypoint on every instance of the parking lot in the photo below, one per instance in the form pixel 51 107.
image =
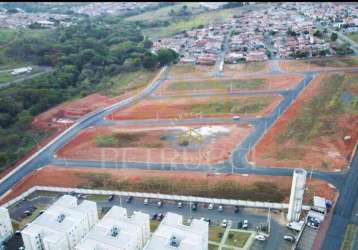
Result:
pixel 256 217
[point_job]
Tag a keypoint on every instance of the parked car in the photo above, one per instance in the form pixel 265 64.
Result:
pixel 237 209
pixel 111 197
pixel 194 206
pixel 129 199
pixel 27 213
pixel 220 209
pixel 180 204
pixel 154 217
pixel 236 117
pixel 160 217
pixel 314 220
pixel 210 206
pixel 146 201
pixel 289 238
pixel 17 232
pixel 159 203
pixel 224 223
pixel 260 237
pixel 239 224
pixel 245 224
pixel 313 225
pixel 207 220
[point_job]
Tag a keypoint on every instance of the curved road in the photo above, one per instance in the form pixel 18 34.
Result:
pixel 346 182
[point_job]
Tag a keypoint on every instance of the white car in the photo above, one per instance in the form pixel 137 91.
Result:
pixel 220 209
pixel 260 237
pixel 146 201
pixel 236 117
pixel 211 206
pixel 180 204
pixel 245 224
pixel 224 223
pixel 159 203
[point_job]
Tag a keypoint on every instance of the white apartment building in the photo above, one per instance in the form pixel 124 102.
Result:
pixel 117 231
pixel 172 234
pixel 61 226
pixel 6 230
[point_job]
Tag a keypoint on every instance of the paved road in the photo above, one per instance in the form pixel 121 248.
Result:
pixel 44 70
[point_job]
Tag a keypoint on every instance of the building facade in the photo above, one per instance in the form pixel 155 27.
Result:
pixel 61 226
pixel 6 230
pixel 117 231
pixel 172 234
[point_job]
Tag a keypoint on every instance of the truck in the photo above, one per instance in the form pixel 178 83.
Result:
pixel 297 226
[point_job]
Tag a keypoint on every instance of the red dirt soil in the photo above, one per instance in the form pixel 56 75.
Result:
pixel 275 82
pixel 83 147
pixel 71 177
pixel 331 150
pixel 180 108
pixel 75 109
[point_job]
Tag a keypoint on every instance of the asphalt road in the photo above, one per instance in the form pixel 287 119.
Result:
pixel 345 182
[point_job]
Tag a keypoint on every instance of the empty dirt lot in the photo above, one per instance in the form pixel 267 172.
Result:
pixel 174 144
pixel 310 133
pixel 225 85
pixel 73 177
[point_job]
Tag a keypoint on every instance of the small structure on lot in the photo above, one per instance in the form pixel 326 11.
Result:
pixel 296 197
pixel 20 71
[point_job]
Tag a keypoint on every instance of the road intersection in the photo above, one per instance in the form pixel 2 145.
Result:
pixel 346 182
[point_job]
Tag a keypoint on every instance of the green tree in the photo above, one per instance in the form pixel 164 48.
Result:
pixel 334 36
pixel 166 56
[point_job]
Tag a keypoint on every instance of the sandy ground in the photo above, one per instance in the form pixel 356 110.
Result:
pixel 71 177
pixel 275 82
pixel 182 72
pixel 180 108
pixel 237 70
pixel 325 149
pixel 215 150
pixel 301 65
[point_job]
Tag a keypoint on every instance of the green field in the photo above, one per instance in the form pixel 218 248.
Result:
pixel 123 82
pixel 6 77
pixel 123 140
pixel 251 105
pixel 218 16
pixel 7 35
pixel 163 13
pixel 349 237
pixel 237 239
pixel 154 225
pixel 244 84
pixel 214 232
pixel 353 36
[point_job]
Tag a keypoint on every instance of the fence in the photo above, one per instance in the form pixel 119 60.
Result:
pixel 241 203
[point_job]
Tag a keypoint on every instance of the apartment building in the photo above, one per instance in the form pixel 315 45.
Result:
pixel 61 226
pixel 6 230
pixel 117 231
pixel 172 234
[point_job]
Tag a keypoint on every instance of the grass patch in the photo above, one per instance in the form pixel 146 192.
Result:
pixel 217 16
pixel 344 62
pixel 244 84
pixel 6 77
pixel 353 36
pixel 7 35
pixel 254 66
pixel 124 82
pixel 237 239
pixel 162 14
pixel 215 232
pixel 258 191
pixel 251 105
pixel 318 116
pixel 96 197
pixel 349 237
pixel 123 140
pixel 154 225
pixel 212 247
